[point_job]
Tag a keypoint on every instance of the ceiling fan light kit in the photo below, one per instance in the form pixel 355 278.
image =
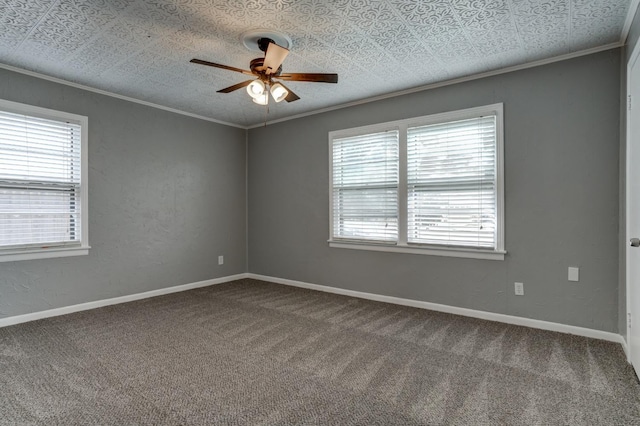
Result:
pixel 278 92
pixel 275 46
pixel 255 89
pixel 262 99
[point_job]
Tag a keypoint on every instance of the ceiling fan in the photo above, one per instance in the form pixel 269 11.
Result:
pixel 268 71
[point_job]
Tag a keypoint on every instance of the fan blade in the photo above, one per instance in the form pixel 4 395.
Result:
pixel 235 87
pixel 224 67
pixel 274 58
pixel 291 96
pixel 316 78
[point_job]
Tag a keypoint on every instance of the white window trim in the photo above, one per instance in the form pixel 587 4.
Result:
pixel 402 246
pixel 29 252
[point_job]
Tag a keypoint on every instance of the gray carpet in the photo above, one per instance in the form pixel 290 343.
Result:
pixel 251 352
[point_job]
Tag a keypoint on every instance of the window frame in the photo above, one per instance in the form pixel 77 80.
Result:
pixel 382 129
pixel 401 245
pixel 64 249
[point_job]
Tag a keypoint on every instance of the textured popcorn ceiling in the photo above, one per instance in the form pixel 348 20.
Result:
pixel 142 48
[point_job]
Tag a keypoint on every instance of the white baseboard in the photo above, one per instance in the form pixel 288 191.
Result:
pixel 508 319
pixel 625 348
pixel 18 319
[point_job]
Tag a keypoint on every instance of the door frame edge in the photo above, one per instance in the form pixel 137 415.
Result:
pixel 632 59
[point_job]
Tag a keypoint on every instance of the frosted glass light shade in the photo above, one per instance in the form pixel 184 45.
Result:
pixel 256 89
pixel 262 99
pixel 278 92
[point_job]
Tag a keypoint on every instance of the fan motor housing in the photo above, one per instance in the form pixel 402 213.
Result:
pixel 257 67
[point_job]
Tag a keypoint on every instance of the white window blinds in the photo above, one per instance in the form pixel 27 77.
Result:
pixel 365 187
pixel 40 180
pixel 452 188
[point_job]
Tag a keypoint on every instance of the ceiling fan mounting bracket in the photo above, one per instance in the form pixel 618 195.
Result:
pixel 251 39
pixel 263 43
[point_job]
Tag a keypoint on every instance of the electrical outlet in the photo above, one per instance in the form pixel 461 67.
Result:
pixel 220 260
pixel 574 274
pixel 519 288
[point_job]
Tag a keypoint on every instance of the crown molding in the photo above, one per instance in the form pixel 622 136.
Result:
pixel 634 6
pixel 115 95
pixel 449 82
pixel 631 13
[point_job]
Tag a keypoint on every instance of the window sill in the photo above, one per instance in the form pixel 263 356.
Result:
pixel 450 252
pixel 48 253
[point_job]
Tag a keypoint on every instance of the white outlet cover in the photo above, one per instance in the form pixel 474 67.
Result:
pixel 220 260
pixel 519 289
pixel 574 274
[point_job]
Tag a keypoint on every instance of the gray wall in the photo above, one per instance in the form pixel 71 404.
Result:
pixel 561 174
pixel 166 196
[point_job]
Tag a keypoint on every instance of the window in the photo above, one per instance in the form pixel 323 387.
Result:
pixel 43 183
pixel 365 187
pixel 428 185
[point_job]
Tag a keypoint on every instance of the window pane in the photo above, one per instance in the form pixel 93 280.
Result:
pixel 365 187
pixel 40 181
pixel 38 216
pixel 36 149
pixel 452 183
